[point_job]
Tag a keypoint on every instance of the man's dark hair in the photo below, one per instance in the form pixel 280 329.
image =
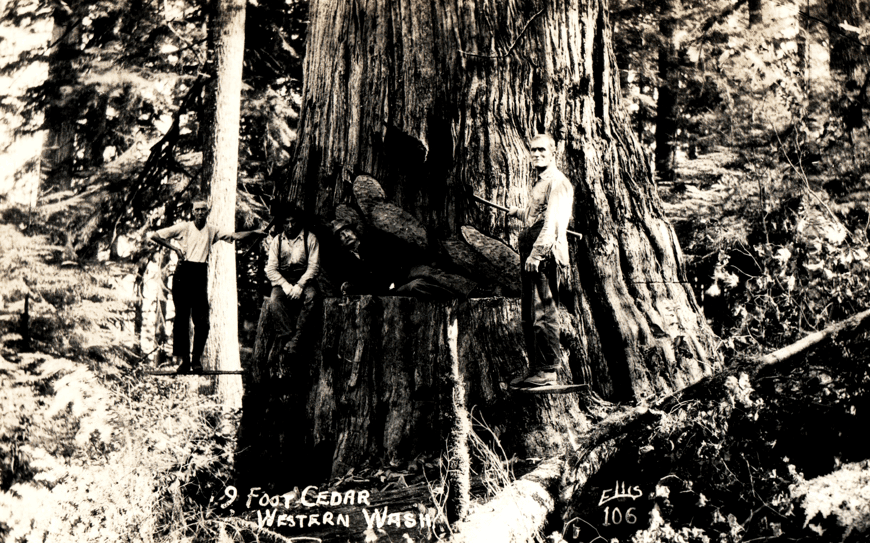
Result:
pixel 283 211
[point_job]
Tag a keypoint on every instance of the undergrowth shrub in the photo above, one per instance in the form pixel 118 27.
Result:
pixel 72 311
pixel 837 503
pixel 90 448
pixel 798 270
pixel 133 460
pixel 782 459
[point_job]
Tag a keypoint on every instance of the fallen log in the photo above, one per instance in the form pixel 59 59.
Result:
pixel 853 322
pixel 518 512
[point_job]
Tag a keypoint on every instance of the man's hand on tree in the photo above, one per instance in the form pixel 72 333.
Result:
pixel 237 236
pixel 532 264
pixel 514 211
pixel 179 252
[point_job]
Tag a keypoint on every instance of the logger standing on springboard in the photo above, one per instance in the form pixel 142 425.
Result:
pixel 544 258
pixel 190 282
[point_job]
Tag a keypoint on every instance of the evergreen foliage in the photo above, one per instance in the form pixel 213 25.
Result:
pixel 132 87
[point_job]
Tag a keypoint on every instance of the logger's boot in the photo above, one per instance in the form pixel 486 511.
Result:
pixel 196 365
pixel 539 378
pixel 184 366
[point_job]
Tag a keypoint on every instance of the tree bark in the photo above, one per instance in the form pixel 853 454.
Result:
pixel 378 387
pixel 438 100
pixel 220 170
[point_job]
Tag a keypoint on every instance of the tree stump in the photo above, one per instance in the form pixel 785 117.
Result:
pixel 377 386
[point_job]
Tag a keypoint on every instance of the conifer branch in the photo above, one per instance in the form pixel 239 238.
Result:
pixel 831 26
pixel 714 19
pixel 163 149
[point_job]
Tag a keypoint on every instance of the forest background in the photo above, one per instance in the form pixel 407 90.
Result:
pixel 752 112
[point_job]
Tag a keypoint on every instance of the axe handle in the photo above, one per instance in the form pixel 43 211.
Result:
pixel 503 208
pixel 491 204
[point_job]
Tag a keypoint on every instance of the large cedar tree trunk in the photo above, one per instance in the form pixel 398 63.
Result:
pixel 437 99
pixel 379 386
pixel 433 101
pixel 220 169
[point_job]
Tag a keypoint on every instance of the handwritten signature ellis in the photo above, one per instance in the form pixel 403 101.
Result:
pixel 620 492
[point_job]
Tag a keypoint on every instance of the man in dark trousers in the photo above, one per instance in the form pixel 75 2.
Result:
pixel 190 282
pixel 543 245
pixel 292 267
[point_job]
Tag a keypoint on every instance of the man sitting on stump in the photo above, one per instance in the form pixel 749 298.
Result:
pixel 190 282
pixel 543 246
pixel 293 264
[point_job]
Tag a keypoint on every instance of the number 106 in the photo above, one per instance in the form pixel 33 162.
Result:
pixel 615 516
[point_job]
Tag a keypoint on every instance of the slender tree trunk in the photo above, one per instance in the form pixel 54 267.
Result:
pixel 812 43
pixel 846 55
pixel 458 457
pixel 139 307
pixel 97 130
pixel 666 122
pixel 58 148
pixel 160 307
pixel 435 100
pixel 755 16
pixel 220 170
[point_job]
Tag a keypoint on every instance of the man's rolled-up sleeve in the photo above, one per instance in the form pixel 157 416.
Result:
pixel 170 232
pixel 224 234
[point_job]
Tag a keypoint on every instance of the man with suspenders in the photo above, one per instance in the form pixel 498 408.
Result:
pixel 293 264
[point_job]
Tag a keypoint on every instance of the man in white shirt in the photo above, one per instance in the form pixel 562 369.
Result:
pixel 190 281
pixel 544 256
